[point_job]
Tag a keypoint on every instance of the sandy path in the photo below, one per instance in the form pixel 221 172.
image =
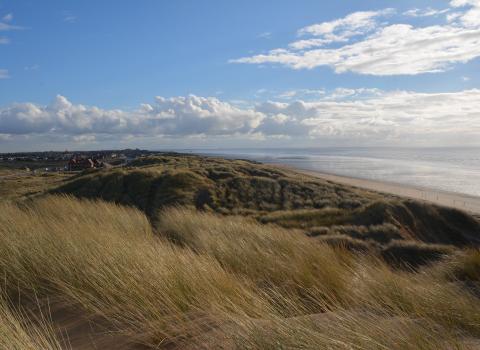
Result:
pixel 448 199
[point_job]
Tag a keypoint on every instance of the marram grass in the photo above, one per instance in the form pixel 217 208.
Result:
pixel 199 280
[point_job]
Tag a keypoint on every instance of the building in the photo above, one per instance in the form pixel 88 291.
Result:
pixel 81 163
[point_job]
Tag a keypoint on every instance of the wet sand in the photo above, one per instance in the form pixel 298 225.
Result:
pixel 448 199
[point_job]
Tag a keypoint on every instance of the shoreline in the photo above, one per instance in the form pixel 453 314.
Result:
pixel 459 201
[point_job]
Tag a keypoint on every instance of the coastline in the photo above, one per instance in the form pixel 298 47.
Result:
pixel 448 199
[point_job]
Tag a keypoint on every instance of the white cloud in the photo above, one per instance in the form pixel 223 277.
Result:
pixel 452 17
pixel 288 94
pixel 425 12
pixel 464 78
pixel 4 74
pixel 84 138
pixel 176 116
pixel 363 116
pixel 346 93
pixel 7 18
pixel 470 18
pixel 5 23
pixel 386 117
pixel 32 67
pixel 354 23
pixel 199 115
pixel 265 35
pixel 308 43
pixel 383 49
pixel 394 50
pixel 6 26
pixel 70 19
pixel 301 93
pixel 340 30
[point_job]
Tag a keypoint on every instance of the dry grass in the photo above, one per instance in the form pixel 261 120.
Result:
pixel 227 186
pixel 20 184
pixel 347 330
pixel 282 263
pixel 105 258
pixel 207 281
pixel 277 196
pixel 413 254
pixel 464 267
pixel 18 333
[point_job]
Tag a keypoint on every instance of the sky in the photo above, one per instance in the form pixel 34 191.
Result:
pixel 231 74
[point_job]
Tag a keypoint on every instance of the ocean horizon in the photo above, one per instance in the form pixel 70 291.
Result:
pixel 450 169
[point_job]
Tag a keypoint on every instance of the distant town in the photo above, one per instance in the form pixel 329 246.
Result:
pixel 54 161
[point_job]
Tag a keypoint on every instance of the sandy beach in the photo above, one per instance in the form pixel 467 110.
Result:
pixel 449 199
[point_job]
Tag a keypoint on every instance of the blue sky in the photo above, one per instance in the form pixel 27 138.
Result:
pixel 91 74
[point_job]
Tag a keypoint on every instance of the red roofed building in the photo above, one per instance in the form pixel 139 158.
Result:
pixel 81 163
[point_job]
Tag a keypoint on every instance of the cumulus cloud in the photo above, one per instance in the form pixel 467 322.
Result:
pixel 388 115
pixel 198 115
pixel 366 116
pixel 177 116
pixel 4 74
pixel 370 46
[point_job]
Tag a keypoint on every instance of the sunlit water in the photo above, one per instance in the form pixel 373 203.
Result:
pixel 445 169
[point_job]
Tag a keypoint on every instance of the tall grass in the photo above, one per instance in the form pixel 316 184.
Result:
pixel 346 330
pixel 17 332
pixel 207 281
pixel 280 262
pixel 463 267
pixel 105 258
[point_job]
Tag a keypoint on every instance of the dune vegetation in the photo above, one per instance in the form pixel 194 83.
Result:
pixel 175 275
pixel 332 213
pixel 201 280
pixel 18 333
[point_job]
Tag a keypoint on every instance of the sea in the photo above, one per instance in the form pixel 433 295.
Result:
pixel 454 170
